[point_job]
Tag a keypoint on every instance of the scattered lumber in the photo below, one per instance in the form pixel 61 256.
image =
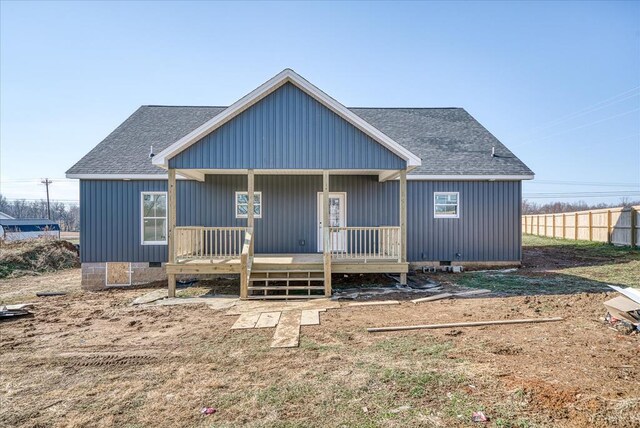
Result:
pixel 464 324
pixel 310 317
pixel 18 306
pixel 51 293
pixel 248 320
pixel 432 298
pixel 375 303
pixel 268 319
pixel 287 333
pixel 448 295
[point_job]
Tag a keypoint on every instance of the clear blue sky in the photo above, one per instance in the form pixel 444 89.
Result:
pixel 72 72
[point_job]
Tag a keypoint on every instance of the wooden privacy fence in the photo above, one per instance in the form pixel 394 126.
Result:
pixel 619 226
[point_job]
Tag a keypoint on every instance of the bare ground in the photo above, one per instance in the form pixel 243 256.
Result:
pixel 90 359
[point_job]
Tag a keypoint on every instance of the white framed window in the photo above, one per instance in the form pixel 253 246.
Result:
pixel 446 204
pixel 242 204
pixel 153 218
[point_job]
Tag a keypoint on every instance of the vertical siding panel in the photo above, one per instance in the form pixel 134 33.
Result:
pixel 284 127
pixel 488 228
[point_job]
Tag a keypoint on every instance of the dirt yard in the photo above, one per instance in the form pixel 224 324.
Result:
pixel 91 359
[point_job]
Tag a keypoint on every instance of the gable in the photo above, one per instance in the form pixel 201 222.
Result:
pixel 287 129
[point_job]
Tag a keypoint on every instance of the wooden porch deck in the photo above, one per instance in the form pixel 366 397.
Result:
pixel 285 261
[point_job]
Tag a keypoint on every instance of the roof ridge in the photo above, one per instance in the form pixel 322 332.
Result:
pixel 409 108
pixel 184 106
pixel 361 108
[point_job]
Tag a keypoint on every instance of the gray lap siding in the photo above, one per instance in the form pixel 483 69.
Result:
pixel 488 228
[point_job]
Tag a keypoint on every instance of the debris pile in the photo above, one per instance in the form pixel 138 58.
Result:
pixel 623 312
pixel 8 312
pixel 36 256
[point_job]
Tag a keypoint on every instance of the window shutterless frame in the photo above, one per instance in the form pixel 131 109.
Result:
pixel 255 194
pixel 142 218
pixel 446 203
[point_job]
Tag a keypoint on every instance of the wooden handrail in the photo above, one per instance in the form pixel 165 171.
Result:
pixel 365 243
pixel 200 242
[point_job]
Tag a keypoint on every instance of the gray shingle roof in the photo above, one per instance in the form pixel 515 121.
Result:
pixel 448 140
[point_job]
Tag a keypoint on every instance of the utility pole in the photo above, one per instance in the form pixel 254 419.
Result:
pixel 46 182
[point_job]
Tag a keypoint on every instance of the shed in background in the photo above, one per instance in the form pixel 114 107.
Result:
pixel 28 228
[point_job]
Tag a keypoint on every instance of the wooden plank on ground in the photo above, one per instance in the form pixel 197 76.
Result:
pixel 472 293
pixel 448 295
pixel 268 319
pixel 432 298
pixel 310 317
pixel 287 333
pixel 246 321
pixel 463 324
pixel 375 303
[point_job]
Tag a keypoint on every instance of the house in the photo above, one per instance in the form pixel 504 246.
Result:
pixel 287 186
pixel 12 229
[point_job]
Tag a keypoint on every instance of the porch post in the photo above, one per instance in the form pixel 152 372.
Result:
pixel 244 272
pixel 250 214
pixel 325 233
pixel 171 225
pixel 403 223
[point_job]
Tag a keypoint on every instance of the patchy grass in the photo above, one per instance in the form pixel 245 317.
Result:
pixel 520 284
pixel 556 266
pixel 93 360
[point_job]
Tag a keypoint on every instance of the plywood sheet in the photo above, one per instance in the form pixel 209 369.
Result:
pixel 118 273
pixel 248 320
pixel 310 317
pixel 268 319
pixel 287 333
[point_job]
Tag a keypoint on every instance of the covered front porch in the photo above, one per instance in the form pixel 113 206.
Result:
pixel 204 250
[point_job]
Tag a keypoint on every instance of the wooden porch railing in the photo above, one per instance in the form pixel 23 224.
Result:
pixel 198 242
pixel 365 243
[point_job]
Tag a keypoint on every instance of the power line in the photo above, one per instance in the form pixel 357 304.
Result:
pixel 597 106
pixel 42 200
pixel 580 194
pixel 579 127
pixel 583 183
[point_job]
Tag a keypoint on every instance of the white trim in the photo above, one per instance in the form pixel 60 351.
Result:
pixel 124 177
pixel 166 218
pixel 456 215
pixel 285 76
pixel 470 177
pixel 319 218
pixel 235 205
pixel 106 275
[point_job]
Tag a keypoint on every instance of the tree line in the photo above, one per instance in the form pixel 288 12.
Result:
pixel 529 207
pixel 67 216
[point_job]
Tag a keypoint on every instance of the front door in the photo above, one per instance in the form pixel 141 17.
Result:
pixel 337 218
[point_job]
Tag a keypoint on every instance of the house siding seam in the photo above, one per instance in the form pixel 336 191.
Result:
pixel 489 227
pixel 288 129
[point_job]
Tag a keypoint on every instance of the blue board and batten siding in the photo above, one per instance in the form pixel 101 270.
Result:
pixel 287 129
pixel 488 228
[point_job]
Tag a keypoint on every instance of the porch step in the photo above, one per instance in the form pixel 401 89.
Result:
pixel 285 279
pixel 285 297
pixel 286 287
pixel 257 270
pixel 278 282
